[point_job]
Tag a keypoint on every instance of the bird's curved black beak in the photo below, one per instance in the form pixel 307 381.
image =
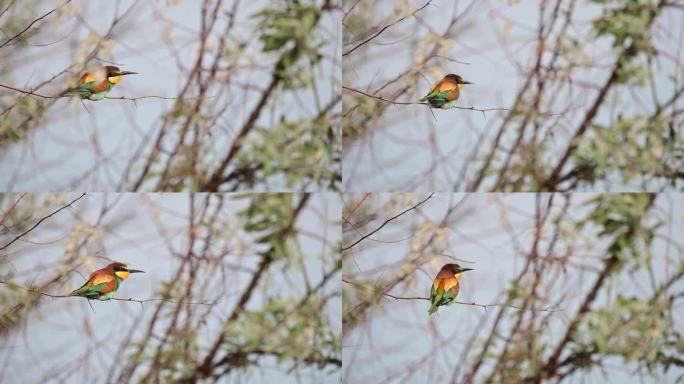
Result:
pixel 464 269
pixel 124 73
pixel 466 82
pixel 135 271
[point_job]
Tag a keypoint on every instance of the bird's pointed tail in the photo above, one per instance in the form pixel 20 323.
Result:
pixel 68 92
pixel 81 291
pixel 433 309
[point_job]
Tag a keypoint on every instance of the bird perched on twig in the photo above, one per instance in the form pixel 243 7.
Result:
pixel 95 85
pixel 103 283
pixel 445 93
pixel 445 286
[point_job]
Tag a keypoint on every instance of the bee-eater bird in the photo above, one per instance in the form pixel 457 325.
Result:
pixel 103 283
pixel 96 85
pixel 445 286
pixel 445 93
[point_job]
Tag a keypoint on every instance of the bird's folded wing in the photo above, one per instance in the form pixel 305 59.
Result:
pixel 445 86
pixel 101 278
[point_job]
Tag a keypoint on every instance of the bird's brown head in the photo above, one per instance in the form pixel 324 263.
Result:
pixel 455 79
pixel 455 269
pixel 114 74
pixel 122 270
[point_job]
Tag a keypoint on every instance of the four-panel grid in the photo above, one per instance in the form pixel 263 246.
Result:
pixel 341 191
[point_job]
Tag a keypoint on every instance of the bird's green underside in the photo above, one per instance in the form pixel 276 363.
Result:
pixel 440 298
pixel 439 100
pixel 85 91
pixel 94 292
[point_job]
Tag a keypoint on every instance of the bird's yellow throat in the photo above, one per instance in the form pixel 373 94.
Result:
pixel 114 79
pixel 123 275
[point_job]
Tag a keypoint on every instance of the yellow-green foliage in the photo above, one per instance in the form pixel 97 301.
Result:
pixel 304 151
pixel 20 112
pixel 288 329
pixel 638 330
pixel 632 147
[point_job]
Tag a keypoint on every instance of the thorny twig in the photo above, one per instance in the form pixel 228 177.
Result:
pixel 387 221
pixel 141 301
pixel 40 221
